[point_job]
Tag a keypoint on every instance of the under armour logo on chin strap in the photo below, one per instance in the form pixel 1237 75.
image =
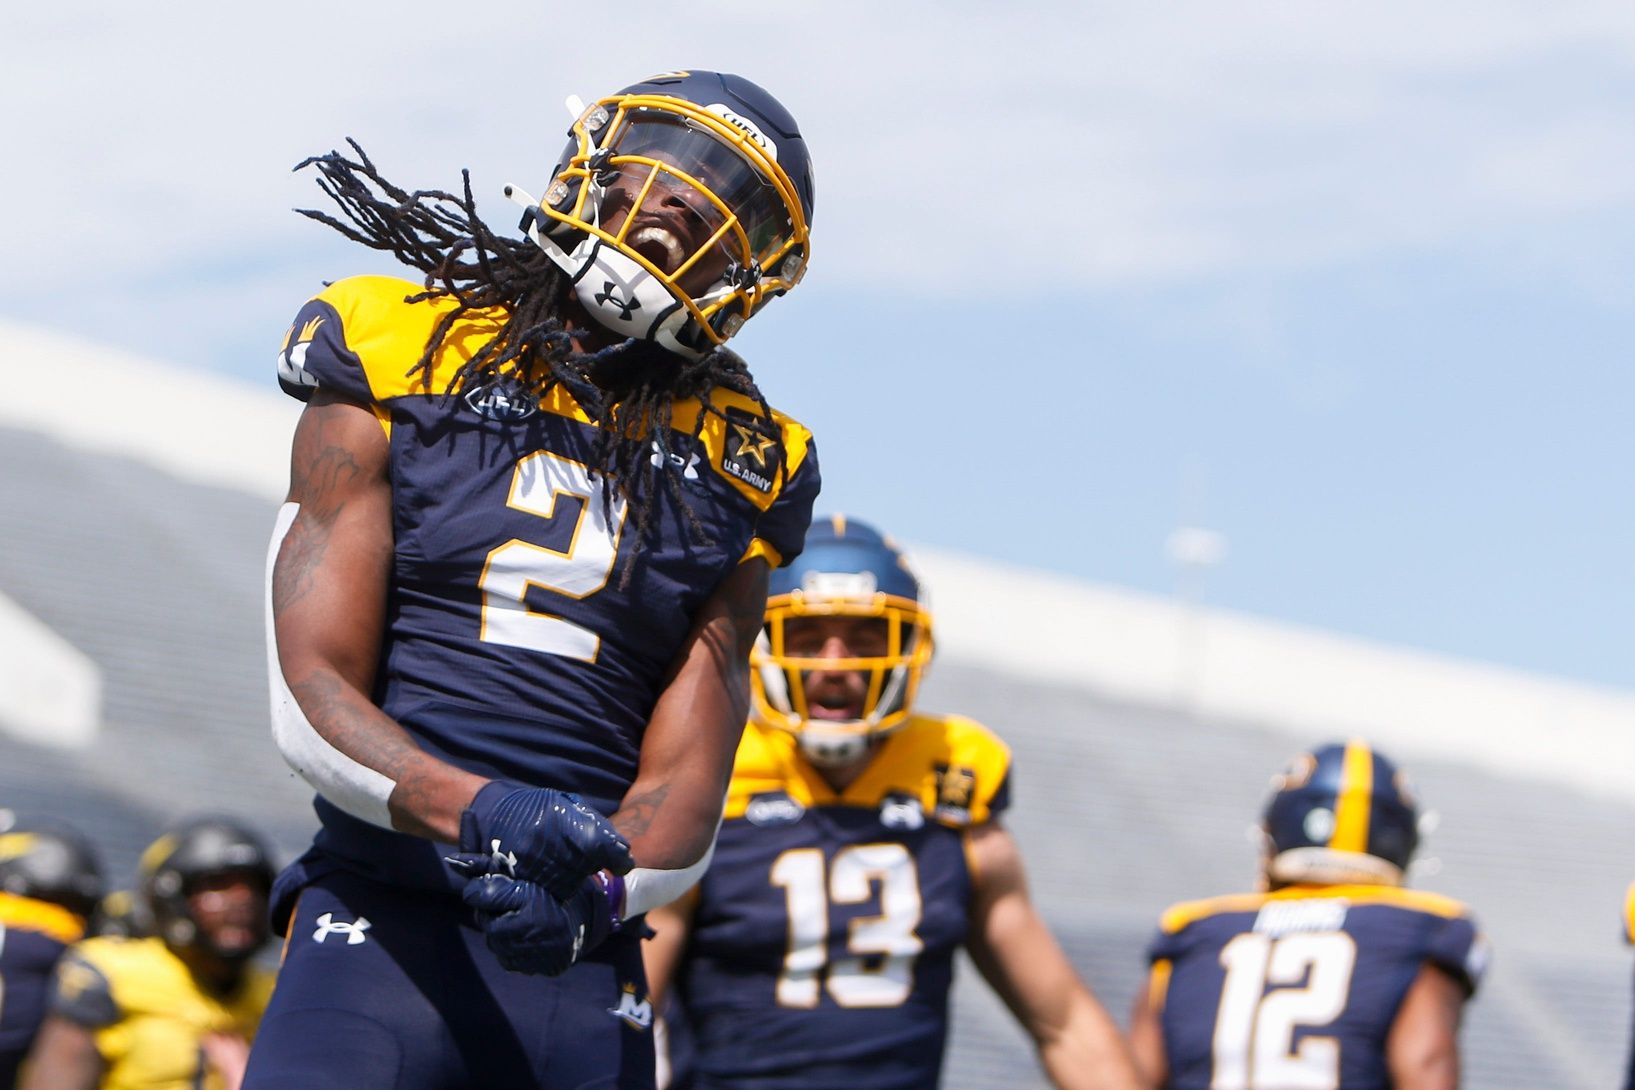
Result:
pixel 627 307
pixel 506 861
pixel 328 925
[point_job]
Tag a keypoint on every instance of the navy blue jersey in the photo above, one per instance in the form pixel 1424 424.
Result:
pixel 821 950
pixel 517 644
pixel 33 936
pixel 1299 987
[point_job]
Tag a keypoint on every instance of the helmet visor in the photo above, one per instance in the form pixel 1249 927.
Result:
pixel 729 186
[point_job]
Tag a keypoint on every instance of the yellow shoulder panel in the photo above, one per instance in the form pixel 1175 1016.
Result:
pixel 722 435
pixel 389 335
pixel 27 914
pixel 767 760
pixel 955 765
pixel 1180 915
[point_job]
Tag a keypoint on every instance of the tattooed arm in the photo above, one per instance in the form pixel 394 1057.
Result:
pixel 329 586
pixel 670 813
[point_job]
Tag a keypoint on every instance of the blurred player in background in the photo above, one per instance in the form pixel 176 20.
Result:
pixel 49 883
pixel 176 1010
pixel 1629 937
pixel 1335 976
pixel 862 846
pixel 533 506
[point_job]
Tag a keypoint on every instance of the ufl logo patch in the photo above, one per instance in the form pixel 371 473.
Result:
pixel 773 808
pixel 501 400
pixel 752 452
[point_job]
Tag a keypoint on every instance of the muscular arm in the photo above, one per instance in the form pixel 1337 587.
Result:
pixel 328 601
pixel 1147 1036
pixel 1078 1042
pixel 1422 1049
pixel 64 1057
pixel 670 813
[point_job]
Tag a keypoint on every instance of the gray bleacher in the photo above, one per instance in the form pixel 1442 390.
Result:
pixel 1120 810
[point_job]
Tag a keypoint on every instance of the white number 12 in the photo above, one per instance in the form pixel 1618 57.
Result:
pixel 1254 1029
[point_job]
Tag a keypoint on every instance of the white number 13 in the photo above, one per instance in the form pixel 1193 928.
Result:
pixel 552 487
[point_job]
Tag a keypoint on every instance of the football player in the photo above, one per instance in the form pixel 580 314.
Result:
pixel 862 847
pixel 1335 975
pixel 49 883
pixel 174 1011
pixel 1629 937
pixel 533 506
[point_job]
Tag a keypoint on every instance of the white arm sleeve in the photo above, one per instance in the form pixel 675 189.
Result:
pixel 646 889
pixel 359 790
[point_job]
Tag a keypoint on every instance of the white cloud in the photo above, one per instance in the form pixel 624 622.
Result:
pixel 962 149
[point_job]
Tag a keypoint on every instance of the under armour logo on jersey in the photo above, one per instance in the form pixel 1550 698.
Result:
pixel 503 861
pixel 637 1012
pixel 688 465
pixel 627 307
pixel 328 925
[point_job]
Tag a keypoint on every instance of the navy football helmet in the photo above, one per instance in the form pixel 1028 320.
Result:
pixel 172 867
pixel 54 865
pixel 680 208
pixel 1341 813
pixel 847 569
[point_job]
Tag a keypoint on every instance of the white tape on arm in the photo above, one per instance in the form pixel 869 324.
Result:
pixel 359 790
pixel 646 889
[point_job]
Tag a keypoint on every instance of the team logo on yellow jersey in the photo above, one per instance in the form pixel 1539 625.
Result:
pixel 752 453
pixel 956 788
pixel 635 1012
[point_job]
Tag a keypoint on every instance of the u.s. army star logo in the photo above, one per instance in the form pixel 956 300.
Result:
pixel 751 451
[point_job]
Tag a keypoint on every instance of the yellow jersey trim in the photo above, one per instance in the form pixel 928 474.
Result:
pixel 388 336
pixel 27 914
pixel 762 548
pixel 1158 985
pixel 1629 914
pixel 953 765
pixel 1180 915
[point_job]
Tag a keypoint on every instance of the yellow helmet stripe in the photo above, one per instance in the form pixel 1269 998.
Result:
pixel 1356 798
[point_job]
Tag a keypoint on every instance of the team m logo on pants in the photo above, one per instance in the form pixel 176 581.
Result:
pixel 328 925
pixel 637 1013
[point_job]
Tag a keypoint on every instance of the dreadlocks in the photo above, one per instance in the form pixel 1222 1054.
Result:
pixel 627 390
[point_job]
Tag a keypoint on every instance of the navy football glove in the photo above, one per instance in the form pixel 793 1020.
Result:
pixel 540 835
pixel 530 931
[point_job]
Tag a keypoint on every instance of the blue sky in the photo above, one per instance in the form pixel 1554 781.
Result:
pixel 1353 285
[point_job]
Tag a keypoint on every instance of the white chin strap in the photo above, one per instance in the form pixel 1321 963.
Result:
pixel 614 288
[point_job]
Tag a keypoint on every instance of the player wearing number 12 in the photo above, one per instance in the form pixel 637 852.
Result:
pixel 862 847
pixel 1335 977
pixel 534 502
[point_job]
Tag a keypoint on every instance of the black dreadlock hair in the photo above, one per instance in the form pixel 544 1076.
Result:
pixel 627 389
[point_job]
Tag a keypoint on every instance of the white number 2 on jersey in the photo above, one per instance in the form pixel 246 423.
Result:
pixel 889 937
pixel 1254 1028
pixel 552 487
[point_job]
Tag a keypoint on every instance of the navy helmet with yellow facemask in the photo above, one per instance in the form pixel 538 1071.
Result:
pixel 1341 813
pixel 712 149
pixel 847 569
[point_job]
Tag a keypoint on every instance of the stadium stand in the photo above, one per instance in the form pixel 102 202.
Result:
pixel 147 558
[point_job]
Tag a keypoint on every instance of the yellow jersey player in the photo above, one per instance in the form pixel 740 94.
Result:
pixel 49 885
pixel 1335 975
pixel 533 505
pixel 862 846
pixel 177 1010
pixel 1629 937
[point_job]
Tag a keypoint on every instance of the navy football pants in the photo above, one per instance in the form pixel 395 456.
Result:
pixel 414 1001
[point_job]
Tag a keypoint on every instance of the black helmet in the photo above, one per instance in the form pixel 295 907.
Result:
pixel 55 865
pixel 172 866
